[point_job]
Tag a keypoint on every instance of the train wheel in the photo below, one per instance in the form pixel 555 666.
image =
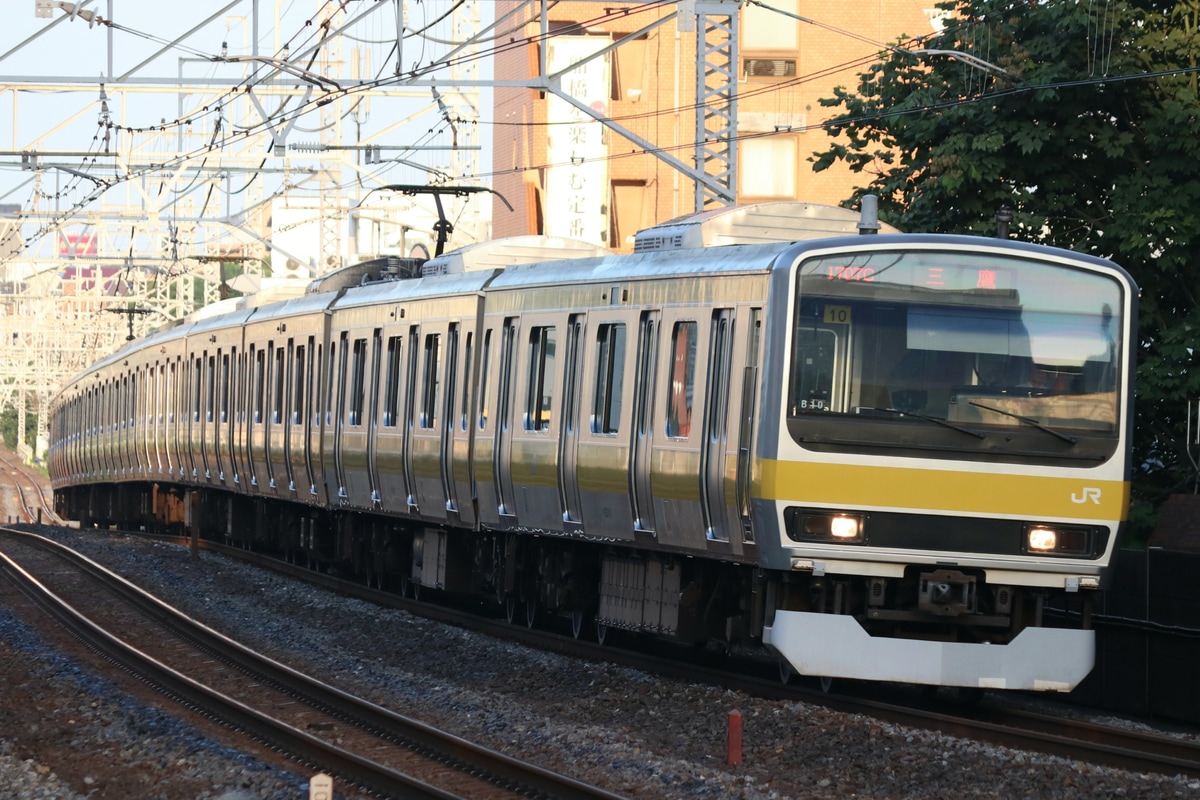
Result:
pixel 577 620
pixel 601 632
pixel 826 684
pixel 510 608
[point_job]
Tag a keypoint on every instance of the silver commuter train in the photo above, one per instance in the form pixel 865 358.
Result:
pixel 879 456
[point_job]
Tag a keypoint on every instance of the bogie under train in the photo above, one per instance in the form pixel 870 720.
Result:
pixel 880 456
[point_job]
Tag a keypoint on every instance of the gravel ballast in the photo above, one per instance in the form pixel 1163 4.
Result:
pixel 635 734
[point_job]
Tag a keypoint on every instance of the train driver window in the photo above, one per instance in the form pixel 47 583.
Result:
pixel 683 380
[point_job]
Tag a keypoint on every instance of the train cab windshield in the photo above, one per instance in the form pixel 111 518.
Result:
pixel 985 355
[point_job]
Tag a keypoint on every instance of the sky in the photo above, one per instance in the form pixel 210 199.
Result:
pixel 58 63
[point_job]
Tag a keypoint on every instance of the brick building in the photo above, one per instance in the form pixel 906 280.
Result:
pixel 564 174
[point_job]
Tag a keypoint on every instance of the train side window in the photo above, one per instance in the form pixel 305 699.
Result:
pixel 610 375
pixel 391 389
pixel 429 388
pixel 358 390
pixel 683 380
pixel 540 393
pixel 483 379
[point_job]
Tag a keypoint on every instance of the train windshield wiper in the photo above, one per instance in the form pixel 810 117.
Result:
pixel 1028 421
pixel 928 418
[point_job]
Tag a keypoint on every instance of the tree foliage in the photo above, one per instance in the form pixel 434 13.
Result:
pixel 1088 135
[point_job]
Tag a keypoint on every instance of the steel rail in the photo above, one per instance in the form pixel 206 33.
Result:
pixel 455 752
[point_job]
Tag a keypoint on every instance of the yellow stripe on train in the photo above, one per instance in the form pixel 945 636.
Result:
pixel 1029 496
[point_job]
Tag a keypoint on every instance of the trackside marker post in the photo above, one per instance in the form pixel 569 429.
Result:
pixel 733 739
pixel 320 787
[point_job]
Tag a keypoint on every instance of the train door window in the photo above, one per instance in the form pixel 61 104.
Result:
pixel 451 374
pixel 484 368
pixel 391 390
pixel 299 382
pixel 718 383
pixel 197 369
pixel 683 380
pixel 171 383
pixel 465 402
pixel 571 373
pixel 540 394
pixel 318 363
pixel 431 363
pixel 210 388
pixel 225 387
pixel 647 353
pixel 610 375
pixel 152 396
pixel 277 386
pixel 329 385
pixel 260 386
pixel 358 389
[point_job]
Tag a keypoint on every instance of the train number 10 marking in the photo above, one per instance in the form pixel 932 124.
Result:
pixel 838 315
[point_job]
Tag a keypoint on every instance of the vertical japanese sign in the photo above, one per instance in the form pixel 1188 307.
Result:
pixel 576 199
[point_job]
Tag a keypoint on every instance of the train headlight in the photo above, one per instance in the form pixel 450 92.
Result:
pixel 1058 540
pixel 824 526
pixel 843 528
pixel 1042 540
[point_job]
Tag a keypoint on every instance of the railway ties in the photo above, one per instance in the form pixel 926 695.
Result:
pixel 312 722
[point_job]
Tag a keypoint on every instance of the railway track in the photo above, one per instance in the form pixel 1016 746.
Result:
pixel 30 496
pixel 993 720
pixel 315 723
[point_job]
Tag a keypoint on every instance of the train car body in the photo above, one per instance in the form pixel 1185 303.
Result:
pixel 878 456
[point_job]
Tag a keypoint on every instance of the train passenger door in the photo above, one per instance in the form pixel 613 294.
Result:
pixel 214 416
pixel 642 432
pixel 373 417
pixel 502 454
pixel 339 412
pixel 712 447
pixel 305 391
pixel 568 445
pixel 460 471
pixel 410 406
pixel 450 382
pixel 746 415
pixel 228 365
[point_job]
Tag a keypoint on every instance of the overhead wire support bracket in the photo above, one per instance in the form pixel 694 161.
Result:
pixel 443 227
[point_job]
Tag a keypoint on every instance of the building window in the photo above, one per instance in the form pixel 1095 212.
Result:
pixel 767 29
pixel 767 167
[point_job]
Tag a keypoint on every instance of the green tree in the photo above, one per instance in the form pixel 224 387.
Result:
pixel 1088 133
pixel 8 426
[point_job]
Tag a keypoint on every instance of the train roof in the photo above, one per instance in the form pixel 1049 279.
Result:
pixel 757 223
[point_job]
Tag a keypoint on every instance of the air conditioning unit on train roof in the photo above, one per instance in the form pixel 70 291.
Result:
pixel 760 223
pixel 500 253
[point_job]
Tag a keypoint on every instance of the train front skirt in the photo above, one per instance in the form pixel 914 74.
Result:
pixel 836 646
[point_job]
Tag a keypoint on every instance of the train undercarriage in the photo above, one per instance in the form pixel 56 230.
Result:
pixel 599 587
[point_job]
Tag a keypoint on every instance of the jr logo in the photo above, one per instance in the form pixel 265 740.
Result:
pixel 1088 493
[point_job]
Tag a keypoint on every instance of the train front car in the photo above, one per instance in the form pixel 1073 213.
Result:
pixel 951 458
